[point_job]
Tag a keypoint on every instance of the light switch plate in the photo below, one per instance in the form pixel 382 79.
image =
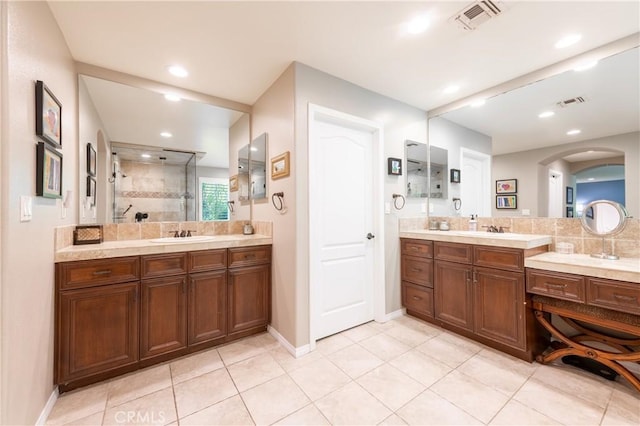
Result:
pixel 26 208
pixel 526 212
pixel 423 207
pixel 387 208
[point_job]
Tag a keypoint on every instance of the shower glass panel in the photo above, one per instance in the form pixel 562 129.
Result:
pixel 153 184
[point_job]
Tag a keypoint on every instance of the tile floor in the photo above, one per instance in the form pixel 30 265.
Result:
pixel 401 372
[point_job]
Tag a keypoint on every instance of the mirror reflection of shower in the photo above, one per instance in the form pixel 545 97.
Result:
pixel 156 184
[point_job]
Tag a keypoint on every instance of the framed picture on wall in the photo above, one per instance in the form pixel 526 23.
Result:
pixel 91 190
pixel 91 160
pixel 569 211
pixel 280 166
pixel 394 166
pixel 569 196
pixel 507 186
pixel 506 201
pixel 48 116
pixel 48 171
pixel 233 183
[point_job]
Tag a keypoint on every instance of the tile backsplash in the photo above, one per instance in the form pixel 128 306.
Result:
pixel 624 244
pixel 147 230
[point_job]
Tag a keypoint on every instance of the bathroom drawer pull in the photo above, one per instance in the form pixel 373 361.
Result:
pixel 417 298
pixel 104 272
pixel 556 286
pixel 626 298
pixel 249 256
pixel 416 270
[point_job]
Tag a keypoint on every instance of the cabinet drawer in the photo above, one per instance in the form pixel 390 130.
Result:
pixel 453 252
pixel 89 273
pixel 162 265
pixel 417 298
pixel 616 295
pixel 249 256
pixel 555 284
pixel 418 248
pixel 498 257
pixel 207 260
pixel 417 270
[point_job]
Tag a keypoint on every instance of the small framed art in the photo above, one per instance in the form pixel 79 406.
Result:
pixel 91 160
pixel 569 211
pixel 48 171
pixel 48 116
pixel 280 166
pixel 506 201
pixel 569 196
pixel 394 166
pixel 454 176
pixel 91 190
pixel 507 186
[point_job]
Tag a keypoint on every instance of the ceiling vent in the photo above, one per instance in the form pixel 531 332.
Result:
pixel 477 13
pixel 572 101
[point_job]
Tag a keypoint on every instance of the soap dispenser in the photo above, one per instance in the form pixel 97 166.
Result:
pixel 473 223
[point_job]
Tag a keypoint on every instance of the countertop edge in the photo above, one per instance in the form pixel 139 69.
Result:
pixel 488 240
pixel 114 249
pixel 564 263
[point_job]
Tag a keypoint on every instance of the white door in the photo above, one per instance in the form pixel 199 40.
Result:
pixel 555 194
pixel 475 188
pixel 342 223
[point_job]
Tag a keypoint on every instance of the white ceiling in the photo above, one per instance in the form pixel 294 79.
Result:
pixel 235 50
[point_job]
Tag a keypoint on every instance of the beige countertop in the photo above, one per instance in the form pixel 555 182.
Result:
pixel 521 241
pixel 623 269
pixel 141 247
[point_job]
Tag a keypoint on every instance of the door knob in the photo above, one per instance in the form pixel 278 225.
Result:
pixel 370 236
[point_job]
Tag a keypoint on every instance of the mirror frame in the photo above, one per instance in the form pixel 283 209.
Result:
pixel 622 212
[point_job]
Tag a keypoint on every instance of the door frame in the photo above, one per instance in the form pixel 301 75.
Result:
pixel 319 113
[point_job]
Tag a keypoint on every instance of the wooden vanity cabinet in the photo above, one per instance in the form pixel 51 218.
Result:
pixel 417 277
pixel 120 314
pixel 481 289
pixel 207 297
pixel 249 290
pixel 96 319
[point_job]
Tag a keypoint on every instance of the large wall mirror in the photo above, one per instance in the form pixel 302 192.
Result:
pixel 555 144
pixel 157 158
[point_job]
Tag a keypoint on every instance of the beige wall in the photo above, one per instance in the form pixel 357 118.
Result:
pixel 35 50
pixel 273 113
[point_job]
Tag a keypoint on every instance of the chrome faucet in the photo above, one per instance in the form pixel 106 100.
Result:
pixel 491 228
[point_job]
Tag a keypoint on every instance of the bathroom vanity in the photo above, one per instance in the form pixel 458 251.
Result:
pixel 473 283
pixel 124 305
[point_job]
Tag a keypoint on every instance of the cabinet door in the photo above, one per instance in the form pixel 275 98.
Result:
pixel 453 294
pixel 249 297
pixel 97 330
pixel 163 316
pixel 207 306
pixel 499 306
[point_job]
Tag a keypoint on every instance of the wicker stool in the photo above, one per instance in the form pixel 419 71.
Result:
pixel 571 312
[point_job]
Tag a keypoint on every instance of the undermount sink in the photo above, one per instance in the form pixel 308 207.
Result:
pixel 183 240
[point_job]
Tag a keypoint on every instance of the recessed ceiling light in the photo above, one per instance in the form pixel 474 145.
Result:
pixel 567 41
pixel 590 151
pixel 171 97
pixel 178 71
pixel 478 103
pixel 546 114
pixel 166 134
pixel 591 179
pixel 254 149
pixel 585 66
pixel 573 132
pixel 145 155
pixel 451 89
pixel 418 25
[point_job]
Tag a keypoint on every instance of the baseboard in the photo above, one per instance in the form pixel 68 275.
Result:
pixel 48 407
pixel 296 352
pixel 394 315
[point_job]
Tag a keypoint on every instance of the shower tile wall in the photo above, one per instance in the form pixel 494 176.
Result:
pixel 158 190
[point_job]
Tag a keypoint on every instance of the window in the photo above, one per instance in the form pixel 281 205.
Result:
pixel 214 194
